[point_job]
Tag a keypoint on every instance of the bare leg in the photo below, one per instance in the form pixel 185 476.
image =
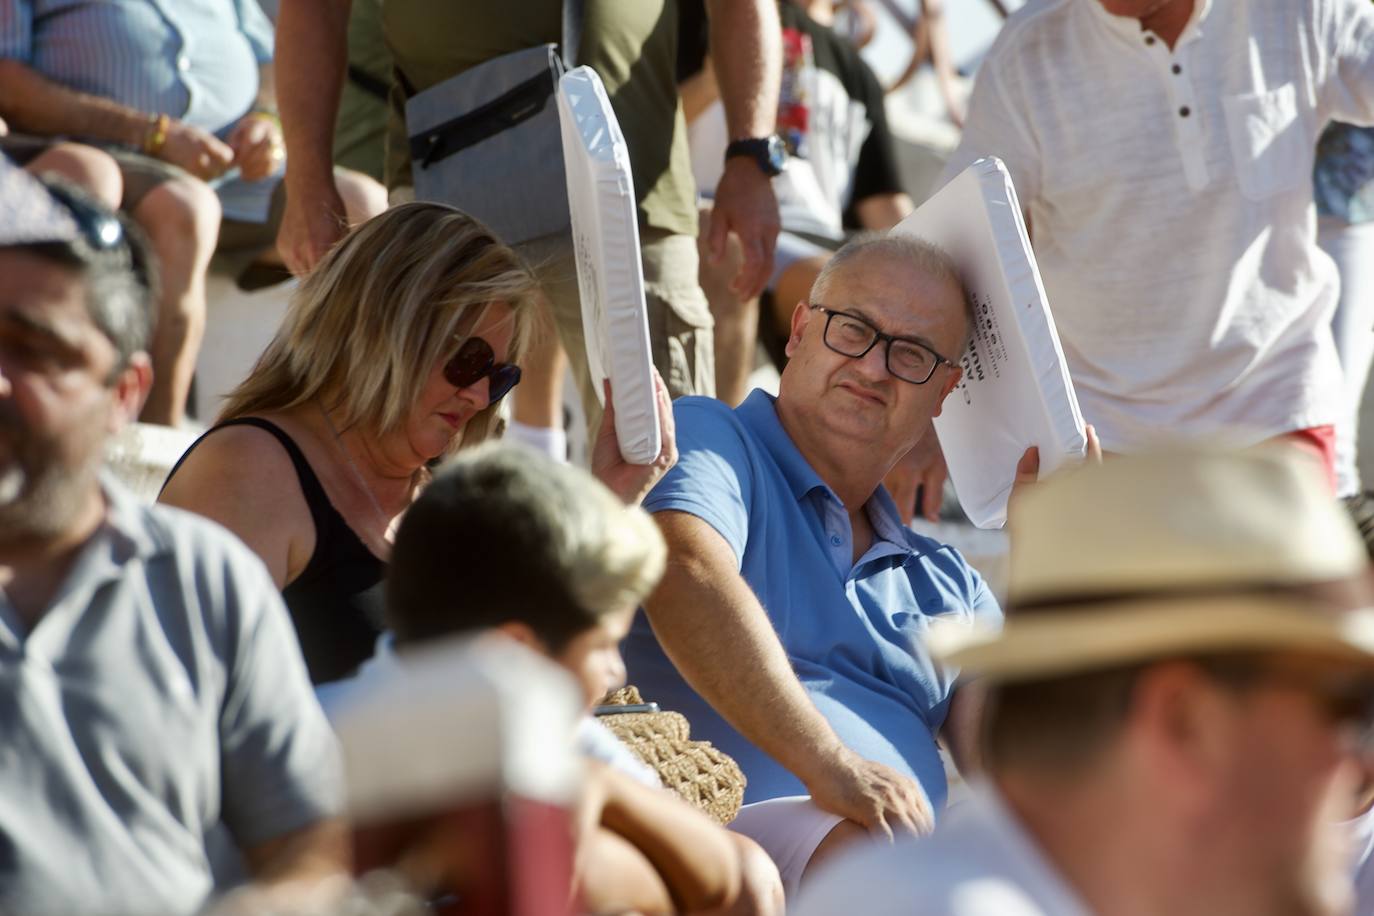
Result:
pixel 92 169
pixel 181 219
pixel 539 397
pixel 538 404
pixel 736 330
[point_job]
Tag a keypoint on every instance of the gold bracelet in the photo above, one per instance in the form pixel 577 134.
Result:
pixel 269 113
pixel 156 135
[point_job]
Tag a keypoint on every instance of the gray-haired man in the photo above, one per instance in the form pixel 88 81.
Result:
pixel 160 732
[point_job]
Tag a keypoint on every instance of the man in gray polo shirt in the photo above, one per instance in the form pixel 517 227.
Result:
pixel 159 733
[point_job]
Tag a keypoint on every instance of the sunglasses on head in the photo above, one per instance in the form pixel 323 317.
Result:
pixel 474 361
pixel 101 231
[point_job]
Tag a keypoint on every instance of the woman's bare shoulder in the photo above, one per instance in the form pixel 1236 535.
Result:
pixel 243 477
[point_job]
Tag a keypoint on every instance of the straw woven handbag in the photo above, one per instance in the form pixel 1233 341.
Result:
pixel 705 777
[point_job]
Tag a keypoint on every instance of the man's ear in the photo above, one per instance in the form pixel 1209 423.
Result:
pixel 1184 724
pixel 800 316
pixel 955 373
pixel 130 390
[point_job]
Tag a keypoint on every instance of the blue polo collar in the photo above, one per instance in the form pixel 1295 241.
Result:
pixel 760 413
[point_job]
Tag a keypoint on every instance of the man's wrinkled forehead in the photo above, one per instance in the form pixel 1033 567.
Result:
pixel 32 216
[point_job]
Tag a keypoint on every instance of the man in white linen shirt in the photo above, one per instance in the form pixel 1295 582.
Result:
pixel 1174 711
pixel 1163 151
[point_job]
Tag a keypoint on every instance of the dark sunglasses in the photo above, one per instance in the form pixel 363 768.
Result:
pixel 474 361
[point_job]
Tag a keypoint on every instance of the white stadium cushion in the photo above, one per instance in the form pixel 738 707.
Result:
pixel 1015 391
pixel 456 721
pixel 605 231
pixel 464 749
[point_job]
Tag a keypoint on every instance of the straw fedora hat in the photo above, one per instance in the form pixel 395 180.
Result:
pixel 1174 553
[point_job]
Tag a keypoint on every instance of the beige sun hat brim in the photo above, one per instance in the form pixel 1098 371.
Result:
pixel 1050 643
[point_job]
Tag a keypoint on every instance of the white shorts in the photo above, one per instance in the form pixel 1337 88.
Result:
pixel 789 829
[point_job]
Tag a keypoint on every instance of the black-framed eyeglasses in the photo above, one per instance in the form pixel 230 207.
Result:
pixel 852 336
pixel 476 360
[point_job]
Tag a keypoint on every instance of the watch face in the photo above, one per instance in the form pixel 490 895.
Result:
pixel 777 153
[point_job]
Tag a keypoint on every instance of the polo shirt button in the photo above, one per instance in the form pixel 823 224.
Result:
pixel 1183 112
pixel 835 539
pixel 1149 39
pixel 1177 69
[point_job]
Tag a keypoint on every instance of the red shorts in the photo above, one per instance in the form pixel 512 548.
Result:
pixel 1320 443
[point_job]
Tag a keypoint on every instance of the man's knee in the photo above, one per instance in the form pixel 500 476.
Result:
pixel 181 215
pixel 92 169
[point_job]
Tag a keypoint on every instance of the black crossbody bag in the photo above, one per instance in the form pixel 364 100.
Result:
pixel 488 141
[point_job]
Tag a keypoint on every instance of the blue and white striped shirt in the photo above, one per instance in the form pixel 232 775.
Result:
pixel 196 60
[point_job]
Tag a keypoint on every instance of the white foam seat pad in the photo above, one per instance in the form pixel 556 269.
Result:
pixel 610 277
pixel 456 721
pixel 1015 391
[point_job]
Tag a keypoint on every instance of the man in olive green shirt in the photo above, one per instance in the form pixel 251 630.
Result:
pixel 632 46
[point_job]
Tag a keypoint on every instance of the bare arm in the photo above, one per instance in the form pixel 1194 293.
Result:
pixel 694 856
pixel 312 55
pixel 615 877
pixel 309 854
pixel 746 52
pixel 941 57
pixel 718 636
pixel 36 105
pixel 883 211
pixel 930 41
pixel 699 91
pixel 291 873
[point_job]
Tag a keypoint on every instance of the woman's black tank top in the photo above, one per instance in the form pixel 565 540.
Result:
pixel 336 603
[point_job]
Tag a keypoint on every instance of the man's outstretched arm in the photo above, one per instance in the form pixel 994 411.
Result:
pixel 716 633
pixel 312 58
pixel 746 52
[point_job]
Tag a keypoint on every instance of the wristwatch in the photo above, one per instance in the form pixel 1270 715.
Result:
pixel 769 152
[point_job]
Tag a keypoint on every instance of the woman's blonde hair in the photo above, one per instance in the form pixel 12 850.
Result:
pixel 387 304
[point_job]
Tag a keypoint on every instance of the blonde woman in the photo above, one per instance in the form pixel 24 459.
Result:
pixel 394 352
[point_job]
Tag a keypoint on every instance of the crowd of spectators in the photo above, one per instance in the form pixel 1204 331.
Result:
pixel 1168 711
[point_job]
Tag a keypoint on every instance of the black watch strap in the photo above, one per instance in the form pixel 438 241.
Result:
pixel 768 152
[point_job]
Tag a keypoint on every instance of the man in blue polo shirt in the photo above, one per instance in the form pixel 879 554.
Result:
pixel 795 601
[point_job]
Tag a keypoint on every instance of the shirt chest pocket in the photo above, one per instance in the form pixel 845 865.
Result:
pixel 1268 142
